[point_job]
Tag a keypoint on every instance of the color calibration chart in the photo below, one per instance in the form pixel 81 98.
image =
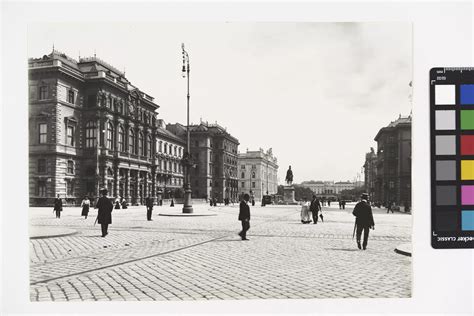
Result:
pixel 452 157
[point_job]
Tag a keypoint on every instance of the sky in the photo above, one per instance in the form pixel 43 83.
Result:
pixel 316 93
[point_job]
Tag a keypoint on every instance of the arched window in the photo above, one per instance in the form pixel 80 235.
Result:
pixel 91 134
pixel 110 136
pixel 140 144
pixel 166 148
pixel 148 146
pixel 121 139
pixel 131 142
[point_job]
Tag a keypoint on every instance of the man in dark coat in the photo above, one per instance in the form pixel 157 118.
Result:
pixel 315 207
pixel 149 208
pixel 104 215
pixel 58 206
pixel 244 216
pixel 364 219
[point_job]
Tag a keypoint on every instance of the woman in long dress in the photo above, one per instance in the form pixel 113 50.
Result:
pixel 85 207
pixel 305 218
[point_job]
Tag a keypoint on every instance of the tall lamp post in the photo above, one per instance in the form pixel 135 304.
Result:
pixel 187 161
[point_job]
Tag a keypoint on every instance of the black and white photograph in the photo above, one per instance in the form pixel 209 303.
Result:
pixel 180 161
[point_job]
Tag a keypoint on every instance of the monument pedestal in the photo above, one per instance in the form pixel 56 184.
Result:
pixel 289 194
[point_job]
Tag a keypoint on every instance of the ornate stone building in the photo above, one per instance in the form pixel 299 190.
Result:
pixel 214 152
pixel 370 172
pixel 393 179
pixel 258 173
pixel 89 127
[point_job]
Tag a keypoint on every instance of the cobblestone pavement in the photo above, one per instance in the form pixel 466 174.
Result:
pixel 196 258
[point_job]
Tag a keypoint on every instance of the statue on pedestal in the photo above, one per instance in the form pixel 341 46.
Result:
pixel 289 176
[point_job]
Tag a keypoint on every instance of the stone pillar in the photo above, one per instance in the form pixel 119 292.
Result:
pixel 153 181
pixel 127 184
pixel 145 184
pixel 116 181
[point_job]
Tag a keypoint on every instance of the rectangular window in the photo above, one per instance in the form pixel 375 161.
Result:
pixel 43 93
pixel 42 188
pixel 70 136
pixel 69 188
pixel 70 167
pixel 43 133
pixel 70 97
pixel 41 165
pixel 243 184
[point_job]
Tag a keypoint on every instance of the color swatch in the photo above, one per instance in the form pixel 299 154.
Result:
pixel 452 157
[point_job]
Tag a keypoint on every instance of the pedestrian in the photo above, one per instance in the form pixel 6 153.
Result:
pixel 315 207
pixel 390 207
pixel 104 214
pixel 117 203
pixel 305 219
pixel 329 203
pixel 211 202
pixel 244 216
pixel 340 204
pixel 124 204
pixel 58 206
pixel 343 204
pixel 149 207
pixel 172 202
pixel 364 220
pixel 85 204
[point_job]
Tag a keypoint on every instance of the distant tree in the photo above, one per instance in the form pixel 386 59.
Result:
pixel 280 190
pixel 301 192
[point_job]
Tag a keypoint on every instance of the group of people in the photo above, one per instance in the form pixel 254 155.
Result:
pixel 314 207
pixel 362 211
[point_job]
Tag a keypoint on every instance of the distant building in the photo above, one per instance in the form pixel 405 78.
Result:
pixel 214 152
pixel 370 172
pixel 329 189
pixel 89 127
pixel 257 171
pixel 393 175
pixel 169 170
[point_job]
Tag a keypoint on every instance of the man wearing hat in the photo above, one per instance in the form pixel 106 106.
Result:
pixel 364 219
pixel 104 215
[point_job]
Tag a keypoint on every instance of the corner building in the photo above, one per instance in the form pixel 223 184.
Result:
pixel 214 152
pixel 393 172
pixel 258 173
pixel 89 127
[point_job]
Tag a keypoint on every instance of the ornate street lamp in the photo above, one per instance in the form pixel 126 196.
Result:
pixel 187 161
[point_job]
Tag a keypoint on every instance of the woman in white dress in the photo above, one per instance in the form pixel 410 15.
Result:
pixel 85 207
pixel 305 217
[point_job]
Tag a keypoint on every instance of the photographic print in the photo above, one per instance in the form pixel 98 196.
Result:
pixel 219 161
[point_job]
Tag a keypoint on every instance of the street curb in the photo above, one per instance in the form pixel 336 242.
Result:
pixel 54 235
pixel 403 249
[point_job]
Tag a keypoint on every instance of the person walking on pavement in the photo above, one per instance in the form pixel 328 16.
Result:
pixel 104 215
pixel 315 207
pixel 364 220
pixel 390 207
pixel 305 219
pixel 244 216
pixel 149 208
pixel 85 204
pixel 58 206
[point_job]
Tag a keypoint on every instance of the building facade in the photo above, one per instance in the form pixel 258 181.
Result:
pixel 329 189
pixel 393 175
pixel 89 127
pixel 370 172
pixel 214 153
pixel 258 173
